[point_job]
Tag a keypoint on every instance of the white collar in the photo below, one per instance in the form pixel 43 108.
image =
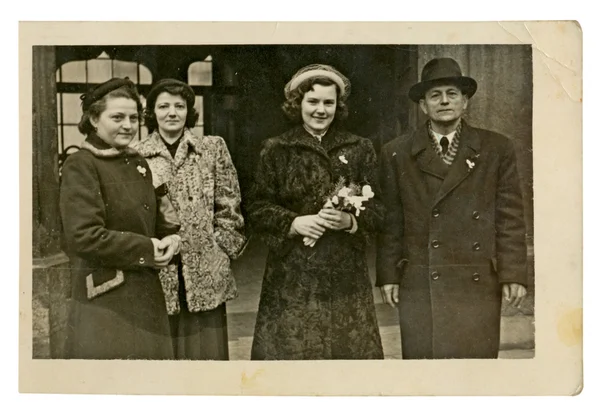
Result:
pixel 450 136
pixel 317 136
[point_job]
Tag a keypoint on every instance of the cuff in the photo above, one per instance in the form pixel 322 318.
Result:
pixel 354 227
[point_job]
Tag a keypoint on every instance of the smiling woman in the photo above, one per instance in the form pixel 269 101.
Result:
pixel 203 185
pixel 109 214
pixel 316 300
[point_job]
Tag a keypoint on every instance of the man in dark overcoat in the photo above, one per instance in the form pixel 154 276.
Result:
pixel 454 241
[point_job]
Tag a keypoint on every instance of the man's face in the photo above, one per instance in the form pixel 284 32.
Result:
pixel 444 104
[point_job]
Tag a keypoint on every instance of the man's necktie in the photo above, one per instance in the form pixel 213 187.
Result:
pixel 444 143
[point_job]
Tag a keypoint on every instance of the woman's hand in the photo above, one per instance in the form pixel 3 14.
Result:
pixel 310 226
pixel 336 219
pixel 162 256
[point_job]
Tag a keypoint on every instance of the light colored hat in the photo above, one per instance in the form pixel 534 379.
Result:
pixel 315 70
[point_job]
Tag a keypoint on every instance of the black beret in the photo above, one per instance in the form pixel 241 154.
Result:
pixel 87 99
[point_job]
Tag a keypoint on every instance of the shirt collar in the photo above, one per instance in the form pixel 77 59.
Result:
pixel 319 137
pixel 438 136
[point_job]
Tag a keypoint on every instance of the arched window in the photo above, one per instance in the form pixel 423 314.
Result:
pixel 77 77
pixel 200 77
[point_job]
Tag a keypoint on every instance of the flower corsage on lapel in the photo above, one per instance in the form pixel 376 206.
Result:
pixel 345 198
pixel 471 162
pixel 141 170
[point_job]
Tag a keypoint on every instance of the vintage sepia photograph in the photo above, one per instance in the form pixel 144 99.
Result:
pixel 239 202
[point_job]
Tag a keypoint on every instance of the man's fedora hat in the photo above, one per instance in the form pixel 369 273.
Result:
pixel 438 71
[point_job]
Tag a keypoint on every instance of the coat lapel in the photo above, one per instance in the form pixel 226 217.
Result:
pixel 469 147
pixel 427 159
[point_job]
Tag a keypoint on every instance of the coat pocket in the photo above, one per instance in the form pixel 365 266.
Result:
pixel 106 282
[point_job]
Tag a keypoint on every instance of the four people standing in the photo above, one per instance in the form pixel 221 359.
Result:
pixel 444 200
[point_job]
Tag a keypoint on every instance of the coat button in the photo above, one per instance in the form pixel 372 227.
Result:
pixel 146 206
pixel 476 215
pixel 476 277
pixel 126 160
pixel 435 275
pixel 435 244
pixel 476 246
pixel 142 260
pixel 435 212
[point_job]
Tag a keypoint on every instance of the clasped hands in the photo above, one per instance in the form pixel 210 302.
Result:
pixel 165 249
pixel 312 227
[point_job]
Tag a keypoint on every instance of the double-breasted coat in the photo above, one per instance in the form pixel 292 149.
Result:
pixel 453 235
pixel 108 209
pixel 316 302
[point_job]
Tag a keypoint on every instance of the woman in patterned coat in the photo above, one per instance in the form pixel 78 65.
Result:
pixel 203 187
pixel 316 300
pixel 109 214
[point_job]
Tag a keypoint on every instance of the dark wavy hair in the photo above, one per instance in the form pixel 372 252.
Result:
pixel 99 106
pixel 292 105
pixel 176 90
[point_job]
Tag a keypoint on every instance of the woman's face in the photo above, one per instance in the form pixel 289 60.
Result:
pixel 318 107
pixel 171 113
pixel 118 124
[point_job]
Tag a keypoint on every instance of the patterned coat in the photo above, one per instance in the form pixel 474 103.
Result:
pixel 453 235
pixel 316 302
pixel 204 189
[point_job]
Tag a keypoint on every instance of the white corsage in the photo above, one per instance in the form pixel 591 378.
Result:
pixel 141 170
pixel 471 162
pixel 343 159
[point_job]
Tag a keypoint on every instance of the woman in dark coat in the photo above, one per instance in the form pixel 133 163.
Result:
pixel 109 208
pixel 316 300
pixel 203 186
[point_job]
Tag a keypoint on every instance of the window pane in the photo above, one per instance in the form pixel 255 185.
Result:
pixel 58 108
pixel 71 108
pixel 145 76
pixel 73 72
pixel 198 131
pixel 200 73
pixel 123 69
pixel 99 70
pixel 199 106
pixel 143 132
pixel 72 136
pixel 60 148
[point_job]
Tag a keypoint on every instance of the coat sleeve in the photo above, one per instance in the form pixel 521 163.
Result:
pixel 267 218
pixel 370 220
pixel 84 216
pixel 389 243
pixel 228 219
pixel 511 247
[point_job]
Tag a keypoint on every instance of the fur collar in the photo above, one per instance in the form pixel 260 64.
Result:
pixel 102 150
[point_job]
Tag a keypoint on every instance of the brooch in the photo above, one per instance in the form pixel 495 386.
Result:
pixel 141 170
pixel 471 162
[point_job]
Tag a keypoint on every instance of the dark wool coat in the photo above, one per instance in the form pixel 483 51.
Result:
pixel 453 235
pixel 108 210
pixel 316 302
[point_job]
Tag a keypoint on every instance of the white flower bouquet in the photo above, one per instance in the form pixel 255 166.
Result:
pixel 345 198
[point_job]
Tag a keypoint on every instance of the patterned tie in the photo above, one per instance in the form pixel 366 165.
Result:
pixel 444 143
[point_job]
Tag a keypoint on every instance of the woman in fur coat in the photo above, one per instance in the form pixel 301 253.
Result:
pixel 316 300
pixel 203 186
